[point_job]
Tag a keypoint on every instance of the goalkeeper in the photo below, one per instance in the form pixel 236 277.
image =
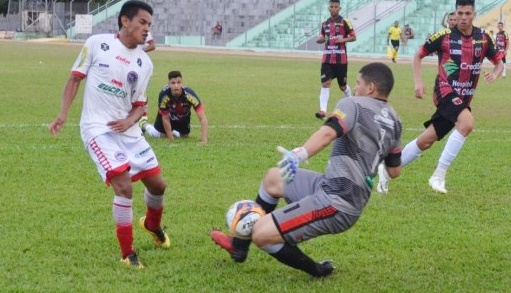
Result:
pixel 365 130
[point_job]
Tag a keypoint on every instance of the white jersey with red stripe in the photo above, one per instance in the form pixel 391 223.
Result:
pixel 116 80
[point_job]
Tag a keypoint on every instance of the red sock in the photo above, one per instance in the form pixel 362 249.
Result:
pixel 153 218
pixel 125 237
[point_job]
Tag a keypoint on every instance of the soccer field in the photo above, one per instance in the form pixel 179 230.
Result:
pixel 56 225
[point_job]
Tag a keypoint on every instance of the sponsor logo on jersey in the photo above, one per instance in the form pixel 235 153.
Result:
pixel 476 68
pixel 103 65
pixel 437 35
pixel 105 47
pixel 455 52
pixel 340 114
pixel 83 56
pixel 132 77
pixel 123 60
pixel 450 67
pixel 116 82
pixel 139 62
pixel 113 90
pixel 120 156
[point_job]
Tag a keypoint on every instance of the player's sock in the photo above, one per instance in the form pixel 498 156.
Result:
pixel 324 96
pixel 123 217
pixel 451 150
pixel 292 256
pixel 154 210
pixel 410 152
pixel 149 128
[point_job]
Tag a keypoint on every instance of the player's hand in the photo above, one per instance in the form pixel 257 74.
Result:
pixel 420 90
pixel 56 125
pixel 489 77
pixel 290 162
pixel 120 125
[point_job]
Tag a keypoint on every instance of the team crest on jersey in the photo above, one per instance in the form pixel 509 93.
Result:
pixel 139 62
pixel 478 51
pixel 132 77
pixel 120 156
pixel 105 47
pixel 457 101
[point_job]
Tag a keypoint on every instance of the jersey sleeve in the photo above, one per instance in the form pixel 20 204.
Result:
pixel 350 31
pixel 85 59
pixel 163 100
pixel 343 118
pixel 193 99
pixel 433 43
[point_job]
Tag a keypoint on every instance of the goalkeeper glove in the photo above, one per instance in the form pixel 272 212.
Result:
pixel 290 162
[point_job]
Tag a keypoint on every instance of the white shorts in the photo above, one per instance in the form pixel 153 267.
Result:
pixel 114 154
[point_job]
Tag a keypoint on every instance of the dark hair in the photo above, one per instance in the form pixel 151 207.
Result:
pixel 465 3
pixel 335 1
pixel 379 74
pixel 452 13
pixel 500 22
pixel 131 8
pixel 174 74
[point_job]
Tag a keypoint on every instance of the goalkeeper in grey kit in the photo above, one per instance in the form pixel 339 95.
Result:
pixel 365 130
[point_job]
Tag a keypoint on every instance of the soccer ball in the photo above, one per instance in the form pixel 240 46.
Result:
pixel 242 216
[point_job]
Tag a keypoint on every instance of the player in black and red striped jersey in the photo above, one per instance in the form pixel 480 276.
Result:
pixel 461 51
pixel 502 41
pixel 336 31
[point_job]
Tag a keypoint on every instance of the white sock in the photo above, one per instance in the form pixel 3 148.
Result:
pixel 410 153
pixel 451 150
pixel 504 71
pixel 149 128
pixel 324 95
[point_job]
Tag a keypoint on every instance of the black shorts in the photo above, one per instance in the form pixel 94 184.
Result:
pixel 331 71
pixel 183 125
pixel 447 111
pixel 395 43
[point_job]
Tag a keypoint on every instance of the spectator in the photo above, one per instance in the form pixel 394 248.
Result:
pixel 407 34
pixel 216 31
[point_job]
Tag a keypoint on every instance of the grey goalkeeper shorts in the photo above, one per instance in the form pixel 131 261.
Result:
pixel 310 211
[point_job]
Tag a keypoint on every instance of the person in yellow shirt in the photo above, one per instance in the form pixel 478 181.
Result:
pixel 394 36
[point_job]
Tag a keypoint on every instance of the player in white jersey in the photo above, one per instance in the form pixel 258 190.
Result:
pixel 116 72
pixel 149 44
pixel 364 130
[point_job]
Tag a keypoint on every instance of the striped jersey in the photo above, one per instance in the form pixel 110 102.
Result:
pixel 371 130
pixel 333 29
pixel 460 60
pixel 502 40
pixel 180 107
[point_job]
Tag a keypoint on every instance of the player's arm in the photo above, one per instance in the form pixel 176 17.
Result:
pixel 68 96
pixel 167 126
pixel 319 140
pixel 203 126
pixel 134 115
pixel 150 47
pixel 420 90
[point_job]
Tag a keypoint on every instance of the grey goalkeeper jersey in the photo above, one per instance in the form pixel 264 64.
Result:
pixel 371 130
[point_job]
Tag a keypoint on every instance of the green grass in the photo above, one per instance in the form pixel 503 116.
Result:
pixel 57 231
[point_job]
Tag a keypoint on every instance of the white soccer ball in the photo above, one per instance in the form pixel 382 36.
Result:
pixel 241 217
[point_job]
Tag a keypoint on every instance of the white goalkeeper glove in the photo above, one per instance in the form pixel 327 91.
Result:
pixel 290 162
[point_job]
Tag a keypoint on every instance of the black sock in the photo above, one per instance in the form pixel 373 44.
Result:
pixel 295 258
pixel 267 207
